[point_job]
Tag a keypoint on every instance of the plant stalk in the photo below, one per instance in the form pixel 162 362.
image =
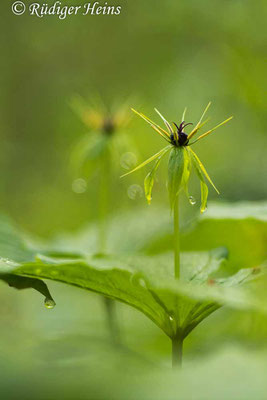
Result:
pixel 176 237
pixel 103 204
pixel 104 200
pixel 112 321
pixel 177 352
pixel 177 341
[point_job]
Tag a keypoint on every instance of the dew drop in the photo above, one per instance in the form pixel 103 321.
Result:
pixel 134 192
pixel 203 210
pixel 192 200
pixel 128 160
pixel 142 282
pixel 136 279
pixel 171 318
pixel 79 185
pixel 49 303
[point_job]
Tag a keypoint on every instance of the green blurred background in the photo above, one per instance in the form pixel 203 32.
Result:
pixel 169 55
pixel 165 54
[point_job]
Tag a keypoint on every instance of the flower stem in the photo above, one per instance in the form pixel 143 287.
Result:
pixel 104 201
pixel 112 321
pixel 177 351
pixel 176 237
pixel 103 204
pixel 177 341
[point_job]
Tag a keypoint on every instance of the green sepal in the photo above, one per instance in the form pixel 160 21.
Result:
pixel 175 172
pixel 202 168
pixel 203 186
pixel 186 171
pixel 149 179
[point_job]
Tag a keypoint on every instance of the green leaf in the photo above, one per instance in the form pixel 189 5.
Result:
pixel 14 249
pixel 147 283
pixel 241 227
pixel 12 244
pixel 21 282
pixel 175 172
pixel 150 231
pixel 149 179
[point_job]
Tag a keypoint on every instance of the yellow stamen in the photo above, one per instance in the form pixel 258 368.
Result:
pixel 165 121
pixel 156 127
pixel 194 131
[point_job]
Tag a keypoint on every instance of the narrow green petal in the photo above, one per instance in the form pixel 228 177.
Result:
pixel 197 127
pixel 183 116
pixel 149 160
pixel 149 179
pixel 201 166
pixel 156 127
pixel 206 109
pixel 165 121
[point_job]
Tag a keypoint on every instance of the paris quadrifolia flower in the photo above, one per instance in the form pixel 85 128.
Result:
pixel 107 133
pixel 181 158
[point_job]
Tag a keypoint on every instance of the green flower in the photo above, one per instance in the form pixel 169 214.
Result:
pixel 107 135
pixel 181 159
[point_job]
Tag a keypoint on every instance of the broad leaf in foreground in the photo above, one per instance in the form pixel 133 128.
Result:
pixel 13 249
pixel 143 282
pixel 147 284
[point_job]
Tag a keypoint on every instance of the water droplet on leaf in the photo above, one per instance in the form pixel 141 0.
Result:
pixel 203 210
pixel 142 282
pixel 134 192
pixel 192 200
pixel 79 185
pixel 49 303
pixel 128 160
pixel 136 279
